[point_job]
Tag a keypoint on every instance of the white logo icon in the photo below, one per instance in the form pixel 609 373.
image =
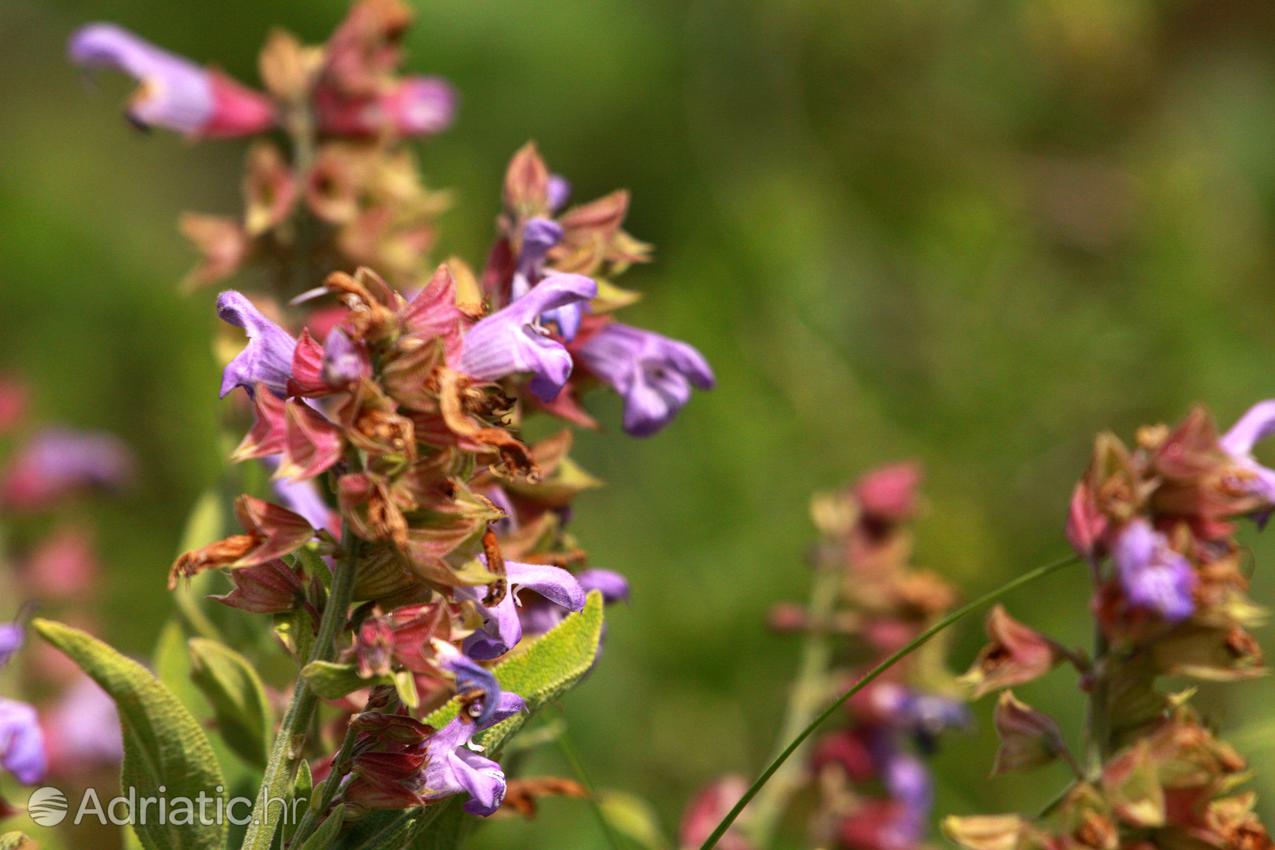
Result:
pixel 47 806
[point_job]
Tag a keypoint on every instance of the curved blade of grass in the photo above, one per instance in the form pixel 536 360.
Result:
pixel 914 644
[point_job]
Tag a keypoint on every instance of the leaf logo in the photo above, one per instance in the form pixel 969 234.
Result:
pixel 47 806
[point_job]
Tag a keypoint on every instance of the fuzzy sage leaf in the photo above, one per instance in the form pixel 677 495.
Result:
pixel 163 744
pixel 237 696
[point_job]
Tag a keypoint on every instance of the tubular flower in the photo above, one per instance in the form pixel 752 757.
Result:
pixel 173 93
pixel 1254 426
pixel 653 374
pixel 12 636
pixel 512 340
pixel 502 627
pixel 451 767
pixel 22 749
pixel 1154 577
pixel 267 359
pixel 58 462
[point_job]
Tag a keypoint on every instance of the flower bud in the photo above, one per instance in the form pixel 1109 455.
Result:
pixel 1029 738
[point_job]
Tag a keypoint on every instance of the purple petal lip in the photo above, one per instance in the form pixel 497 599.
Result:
pixel 511 341
pixel 1257 423
pixel 652 373
pixel 22 747
pixel 175 93
pixel 1153 575
pixel 613 586
pixel 12 636
pixel 267 358
pixel 503 627
pixel 559 192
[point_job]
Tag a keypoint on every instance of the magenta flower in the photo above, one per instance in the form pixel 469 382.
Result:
pixel 1153 575
pixel 502 626
pixel 652 373
pixel 22 751
pixel 416 106
pixel 174 93
pixel 267 359
pixel 59 462
pixel 512 340
pixel 559 192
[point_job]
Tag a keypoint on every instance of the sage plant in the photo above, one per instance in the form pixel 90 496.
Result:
pixel 413 556
pixel 1156 522
pixel 866 777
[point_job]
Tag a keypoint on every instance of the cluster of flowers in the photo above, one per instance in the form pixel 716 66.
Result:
pixel 409 506
pixel 872 788
pixel 1156 522
pixel 52 562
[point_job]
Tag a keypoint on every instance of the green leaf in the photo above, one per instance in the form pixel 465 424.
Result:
pixel 237 696
pixel 546 669
pixel 325 836
pixel 634 818
pixel 163 744
pixel 331 680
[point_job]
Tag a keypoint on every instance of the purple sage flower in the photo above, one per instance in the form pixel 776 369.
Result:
pixel 60 461
pixel 471 676
pixel 613 586
pixel 559 192
pixel 652 373
pixel 343 363
pixel 452 767
pixel 302 498
pixel 909 783
pixel 22 750
pixel 502 627
pixel 12 636
pixel 85 729
pixel 1153 575
pixel 1255 425
pixel 266 359
pixel 422 106
pixel 512 340
pixel 174 93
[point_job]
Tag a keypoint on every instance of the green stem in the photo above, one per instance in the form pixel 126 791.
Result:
pixel 868 678
pixel 328 788
pixel 289 743
pixel 569 753
pixel 807 694
pixel 1098 722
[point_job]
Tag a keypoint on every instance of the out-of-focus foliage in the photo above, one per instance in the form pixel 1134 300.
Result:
pixel 973 233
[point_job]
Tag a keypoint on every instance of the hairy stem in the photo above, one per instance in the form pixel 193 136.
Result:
pixel 328 788
pixel 804 701
pixel 289 742
pixel 868 678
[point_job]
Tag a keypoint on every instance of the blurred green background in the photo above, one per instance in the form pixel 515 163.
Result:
pixel 973 233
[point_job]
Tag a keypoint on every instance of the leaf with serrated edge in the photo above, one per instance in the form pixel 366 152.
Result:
pixel 237 696
pixel 163 744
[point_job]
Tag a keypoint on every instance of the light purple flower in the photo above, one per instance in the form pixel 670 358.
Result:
pixel 59 461
pixel 12 636
pixel 452 767
pixel 1153 575
pixel 22 751
pixel 909 783
pixel 502 627
pixel 471 676
pixel 86 728
pixel 175 93
pixel 343 363
pixel 266 359
pixel 653 373
pixel 613 586
pixel 539 236
pixel 1255 425
pixel 920 714
pixel 301 497
pixel 559 192
pixel 512 340
pixel 423 106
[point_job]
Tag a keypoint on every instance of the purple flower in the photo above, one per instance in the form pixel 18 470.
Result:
pixel 343 363
pixel 12 636
pixel 1255 425
pixel 301 497
pixel 470 677
pixel 86 728
pixel 653 373
pixel 174 92
pixel 59 461
pixel 539 236
pixel 266 359
pixel 22 750
pixel 613 586
pixel 502 627
pixel 559 192
pixel 452 767
pixel 513 340
pixel 909 783
pixel 422 106
pixel 1153 575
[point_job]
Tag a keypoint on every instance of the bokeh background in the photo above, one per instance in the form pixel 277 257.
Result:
pixel 972 233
